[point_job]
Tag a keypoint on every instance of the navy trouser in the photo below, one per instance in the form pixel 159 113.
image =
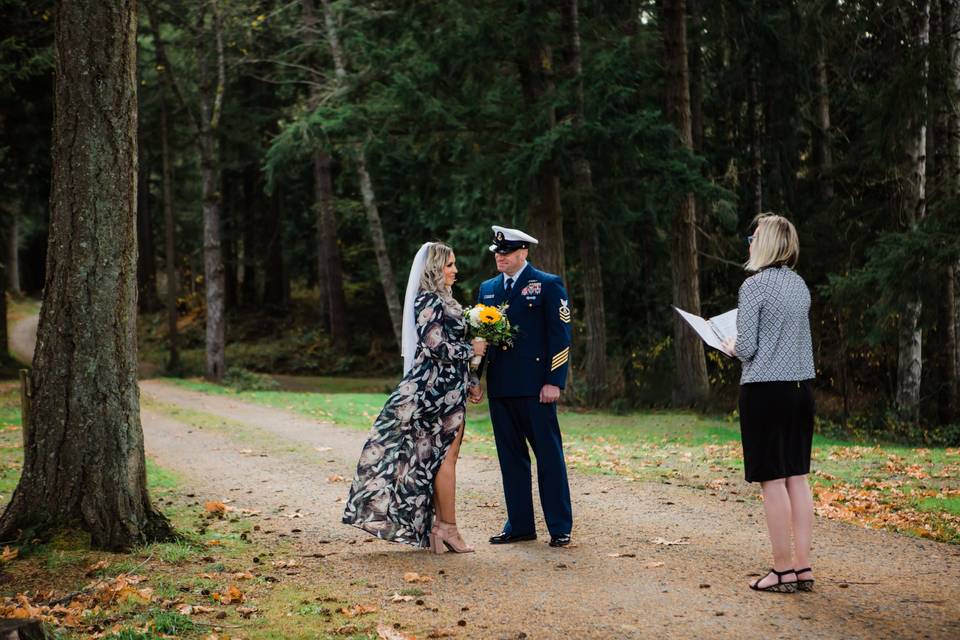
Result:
pixel 517 421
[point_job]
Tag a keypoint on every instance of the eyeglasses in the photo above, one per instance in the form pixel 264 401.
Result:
pixel 749 240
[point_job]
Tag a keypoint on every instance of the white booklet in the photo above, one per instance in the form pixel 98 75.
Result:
pixel 714 330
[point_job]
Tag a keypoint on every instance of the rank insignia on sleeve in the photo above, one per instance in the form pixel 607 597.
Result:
pixel 560 359
pixel 565 315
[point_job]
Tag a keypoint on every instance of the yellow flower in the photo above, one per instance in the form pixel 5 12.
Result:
pixel 490 315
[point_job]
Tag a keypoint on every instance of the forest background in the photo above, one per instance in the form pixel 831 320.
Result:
pixel 293 156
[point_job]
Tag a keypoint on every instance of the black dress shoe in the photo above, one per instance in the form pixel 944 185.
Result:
pixel 506 538
pixel 560 541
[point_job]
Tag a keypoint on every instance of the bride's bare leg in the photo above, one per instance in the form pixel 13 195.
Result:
pixel 445 484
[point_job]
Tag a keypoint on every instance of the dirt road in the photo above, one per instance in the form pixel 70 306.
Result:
pixel 618 581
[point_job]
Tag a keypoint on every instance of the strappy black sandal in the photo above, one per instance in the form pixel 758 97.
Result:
pixel 780 586
pixel 804 585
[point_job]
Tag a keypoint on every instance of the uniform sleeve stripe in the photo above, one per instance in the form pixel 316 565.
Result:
pixel 558 364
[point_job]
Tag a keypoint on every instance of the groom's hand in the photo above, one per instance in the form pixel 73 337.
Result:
pixel 549 393
pixel 476 394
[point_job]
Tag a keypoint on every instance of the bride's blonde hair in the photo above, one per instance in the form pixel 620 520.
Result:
pixel 432 279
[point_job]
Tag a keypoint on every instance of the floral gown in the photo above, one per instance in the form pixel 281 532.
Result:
pixel 392 493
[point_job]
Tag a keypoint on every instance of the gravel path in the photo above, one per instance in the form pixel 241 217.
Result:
pixel 870 584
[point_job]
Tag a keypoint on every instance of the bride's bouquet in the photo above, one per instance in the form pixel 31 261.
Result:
pixel 491 325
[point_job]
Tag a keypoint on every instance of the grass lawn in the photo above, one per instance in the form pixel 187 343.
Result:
pixel 913 490
pixel 164 590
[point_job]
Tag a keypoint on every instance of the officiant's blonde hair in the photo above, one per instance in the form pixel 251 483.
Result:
pixel 775 243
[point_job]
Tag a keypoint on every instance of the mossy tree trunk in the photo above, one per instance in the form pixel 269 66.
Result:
pixel 83 442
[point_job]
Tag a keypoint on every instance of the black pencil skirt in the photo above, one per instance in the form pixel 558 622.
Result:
pixel 776 428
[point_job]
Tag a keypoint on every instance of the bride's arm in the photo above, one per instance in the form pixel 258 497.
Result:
pixel 434 339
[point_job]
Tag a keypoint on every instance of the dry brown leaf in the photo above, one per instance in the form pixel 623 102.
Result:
pixel 358 610
pixel 440 632
pixel 92 569
pixel 386 632
pixel 336 477
pixel 243 575
pixel 283 564
pixel 213 543
pixel 8 554
pixel 246 612
pixel 670 542
pixel 413 576
pixel 396 597
pixel 215 508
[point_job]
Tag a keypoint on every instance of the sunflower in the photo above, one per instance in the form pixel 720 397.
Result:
pixel 490 315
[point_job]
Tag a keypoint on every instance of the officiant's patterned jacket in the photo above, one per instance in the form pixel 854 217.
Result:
pixel 539 309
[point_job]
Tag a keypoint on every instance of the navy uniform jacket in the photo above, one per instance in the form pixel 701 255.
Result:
pixel 539 310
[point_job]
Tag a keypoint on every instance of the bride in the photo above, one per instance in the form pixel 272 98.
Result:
pixel 407 468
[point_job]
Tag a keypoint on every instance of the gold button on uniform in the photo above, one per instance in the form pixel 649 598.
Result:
pixel 538 359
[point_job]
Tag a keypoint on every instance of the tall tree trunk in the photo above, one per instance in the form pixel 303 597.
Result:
pixel 274 295
pixel 169 238
pixel 823 155
pixel 544 214
pixel 333 304
pixel 211 101
pixel 387 280
pixel 206 127
pixel 910 335
pixel 692 385
pixel 949 144
pixel 83 443
pixel 330 267
pixel 13 257
pixel 251 239
pixel 146 267
pixel 585 214
pixel 755 124
pixel 228 226
pixel 5 358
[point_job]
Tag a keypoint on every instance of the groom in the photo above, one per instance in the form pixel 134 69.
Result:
pixel 524 383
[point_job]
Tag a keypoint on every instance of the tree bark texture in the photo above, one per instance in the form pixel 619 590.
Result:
pixel 83 450
pixel 330 267
pixel 914 205
pixel 692 385
pixel 950 175
pixel 823 155
pixel 544 214
pixel 387 280
pixel 585 214
pixel 146 267
pixel 755 124
pixel 206 126
pixel 333 304
pixel 13 257
pixel 211 101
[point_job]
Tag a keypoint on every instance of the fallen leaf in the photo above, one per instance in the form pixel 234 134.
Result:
pixel 396 597
pixel 215 508
pixel 440 632
pixel 336 478
pixel 246 612
pixel 413 576
pixel 8 554
pixel 282 564
pixel 92 569
pixel 670 542
pixel 243 575
pixel 652 565
pixel 358 610
pixel 323 449
pixel 386 632
pixel 213 543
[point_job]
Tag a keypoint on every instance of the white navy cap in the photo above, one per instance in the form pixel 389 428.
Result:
pixel 509 240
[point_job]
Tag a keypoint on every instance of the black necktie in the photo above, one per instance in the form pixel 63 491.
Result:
pixel 509 285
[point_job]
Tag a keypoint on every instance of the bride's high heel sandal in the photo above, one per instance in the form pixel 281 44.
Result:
pixel 445 537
